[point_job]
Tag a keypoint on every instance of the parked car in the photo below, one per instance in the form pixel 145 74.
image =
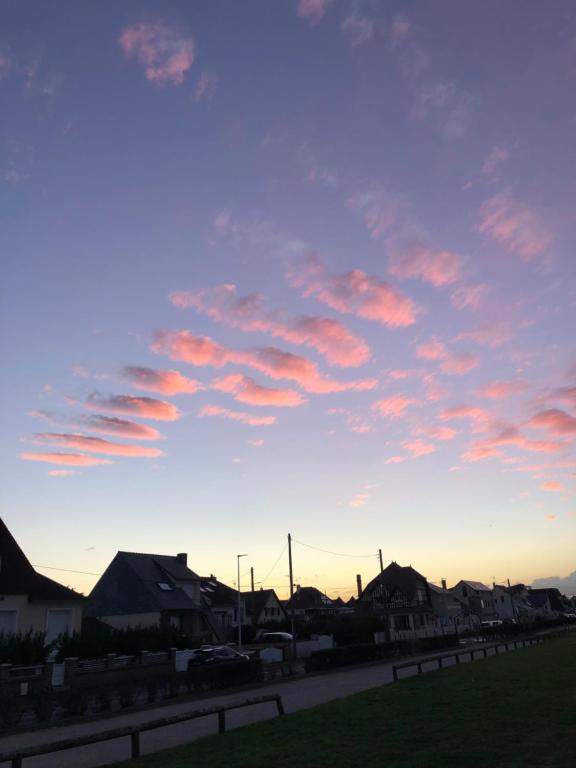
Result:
pixel 275 637
pixel 217 654
pixel 491 623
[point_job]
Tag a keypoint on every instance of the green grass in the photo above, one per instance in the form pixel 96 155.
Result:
pixel 516 710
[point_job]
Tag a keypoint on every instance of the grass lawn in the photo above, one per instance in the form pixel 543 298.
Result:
pixel 516 710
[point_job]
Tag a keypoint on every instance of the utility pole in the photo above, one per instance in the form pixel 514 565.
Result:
pixel 512 600
pixel 292 623
pixel 381 563
pixel 252 578
pixel 239 617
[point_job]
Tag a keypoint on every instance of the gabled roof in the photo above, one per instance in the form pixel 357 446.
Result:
pixel 18 577
pixel 396 577
pixel 309 597
pixel 131 584
pixel 477 585
pixel 255 602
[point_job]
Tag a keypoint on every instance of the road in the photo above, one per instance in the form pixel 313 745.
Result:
pixel 296 694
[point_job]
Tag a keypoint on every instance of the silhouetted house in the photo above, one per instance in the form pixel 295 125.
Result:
pixel 451 613
pixel 310 602
pixel 30 601
pixel 263 607
pixel 507 605
pixel 547 603
pixel 222 603
pixel 141 590
pixel 476 596
pixel 401 597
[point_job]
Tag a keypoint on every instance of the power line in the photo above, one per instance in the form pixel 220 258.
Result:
pixel 275 564
pixel 67 570
pixel 329 552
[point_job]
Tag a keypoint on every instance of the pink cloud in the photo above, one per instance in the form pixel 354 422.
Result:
pixel 378 209
pixel 480 418
pixel 95 445
pixel 146 407
pixel 415 260
pixel 400 375
pixel 419 448
pixel 165 382
pixel 245 390
pixel 245 418
pixel 359 500
pixel 493 335
pixel 566 395
pixel 393 407
pixel 500 389
pixel 434 390
pixel 399 30
pixel 327 336
pixel 61 472
pixel 515 226
pixel 552 486
pixel 469 297
pixel 497 156
pixel 273 362
pixel 479 451
pixel 432 350
pixel 512 436
pixel 103 425
pixel 71 459
pixel 256 443
pixel 556 421
pixel 313 10
pixel 460 363
pixel 355 293
pixel 439 433
pixel 163 51
pixel 395 460
pixel 551 518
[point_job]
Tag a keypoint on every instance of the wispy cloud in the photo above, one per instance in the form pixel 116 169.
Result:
pixel 165 52
pixel 165 382
pixel 393 407
pixel 67 459
pixel 490 334
pixel 95 445
pixel 379 210
pixel 419 448
pixel 206 86
pixel 61 472
pixel 273 362
pixel 313 10
pixel 102 425
pixel 552 486
pixel 446 107
pixel 417 260
pixel 358 29
pixel 249 313
pixel 244 418
pixel 245 390
pixel 354 293
pixel 515 226
pixel 146 407
pixel 500 389
pixel 555 421
pixel 469 297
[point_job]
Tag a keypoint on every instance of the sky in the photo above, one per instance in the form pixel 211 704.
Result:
pixel 300 266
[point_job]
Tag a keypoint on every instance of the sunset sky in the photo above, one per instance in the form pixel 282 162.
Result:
pixel 303 265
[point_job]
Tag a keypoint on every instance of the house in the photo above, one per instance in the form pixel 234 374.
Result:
pixel 451 613
pixel 401 597
pixel 263 607
pixel 505 604
pixel 310 602
pixel 31 602
pixel 222 603
pixel 476 596
pixel 547 603
pixel 141 590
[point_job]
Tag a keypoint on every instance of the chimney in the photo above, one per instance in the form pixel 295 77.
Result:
pixel 182 557
pixel 359 585
pixel 444 584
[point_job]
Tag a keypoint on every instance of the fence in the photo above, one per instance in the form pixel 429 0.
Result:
pixel 456 655
pixel 17 757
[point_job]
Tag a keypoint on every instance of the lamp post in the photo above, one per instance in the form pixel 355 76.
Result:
pixel 239 610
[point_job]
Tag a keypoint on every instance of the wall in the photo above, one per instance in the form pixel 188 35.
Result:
pixel 34 616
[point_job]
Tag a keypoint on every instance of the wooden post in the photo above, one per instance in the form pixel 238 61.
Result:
pixel 221 721
pixel 440 662
pixel 395 674
pixel 419 665
pixel 292 621
pixel 485 652
pixel 496 649
pixel 381 562
pixel 457 657
pixel 135 743
pixel 280 705
pixel 17 762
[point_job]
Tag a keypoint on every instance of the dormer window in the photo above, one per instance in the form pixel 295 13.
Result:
pixel 165 587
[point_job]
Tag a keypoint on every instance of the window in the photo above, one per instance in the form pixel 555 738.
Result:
pixel 58 622
pixel 8 622
pixel 165 587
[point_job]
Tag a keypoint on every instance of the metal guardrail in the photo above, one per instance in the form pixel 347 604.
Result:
pixel 17 757
pixel 467 652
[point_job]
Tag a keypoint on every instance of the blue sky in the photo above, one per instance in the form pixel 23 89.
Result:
pixel 332 242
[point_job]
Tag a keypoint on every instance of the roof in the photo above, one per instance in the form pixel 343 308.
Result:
pixel 477 585
pixel 255 602
pixel 309 597
pixel 18 577
pixel 131 584
pixel 215 592
pixel 399 577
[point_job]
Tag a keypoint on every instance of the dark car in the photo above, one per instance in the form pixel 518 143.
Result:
pixel 218 654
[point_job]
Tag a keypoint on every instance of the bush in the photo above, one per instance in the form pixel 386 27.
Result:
pixel 224 675
pixel 22 649
pixel 98 642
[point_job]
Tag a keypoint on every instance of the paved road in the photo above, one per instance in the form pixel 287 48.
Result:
pixel 296 695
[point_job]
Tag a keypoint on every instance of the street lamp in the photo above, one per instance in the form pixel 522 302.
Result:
pixel 239 612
